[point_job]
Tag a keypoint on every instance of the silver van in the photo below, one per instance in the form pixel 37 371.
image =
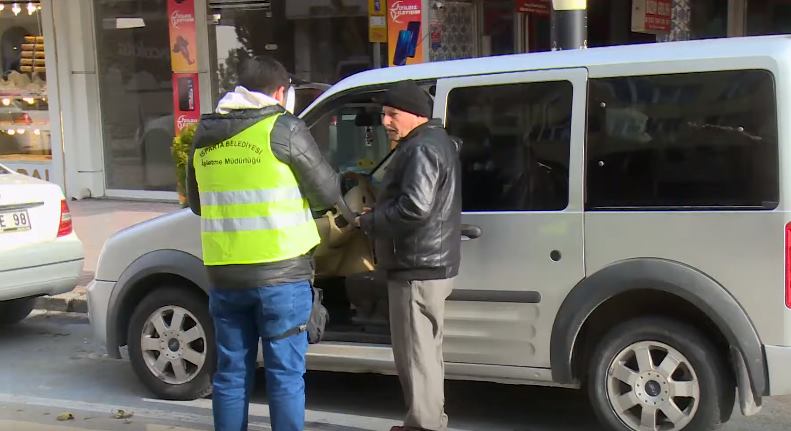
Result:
pixel 627 231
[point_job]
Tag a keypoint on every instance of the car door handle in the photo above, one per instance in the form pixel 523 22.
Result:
pixel 470 231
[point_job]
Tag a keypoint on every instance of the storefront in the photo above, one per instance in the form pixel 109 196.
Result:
pixel 475 28
pixel 94 111
pixel 29 138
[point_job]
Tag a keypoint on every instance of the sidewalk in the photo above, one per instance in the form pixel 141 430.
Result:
pixel 95 220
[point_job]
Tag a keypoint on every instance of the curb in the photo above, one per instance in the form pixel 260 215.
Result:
pixel 62 303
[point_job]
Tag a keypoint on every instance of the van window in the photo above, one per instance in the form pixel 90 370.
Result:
pixel 515 151
pixel 352 137
pixel 683 141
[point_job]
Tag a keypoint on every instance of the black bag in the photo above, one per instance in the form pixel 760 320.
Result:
pixel 319 316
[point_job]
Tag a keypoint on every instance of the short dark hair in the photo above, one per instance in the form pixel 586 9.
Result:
pixel 263 74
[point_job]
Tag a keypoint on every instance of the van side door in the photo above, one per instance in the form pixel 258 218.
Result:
pixel 522 161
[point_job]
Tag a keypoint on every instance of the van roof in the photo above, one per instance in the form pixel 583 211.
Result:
pixel 770 46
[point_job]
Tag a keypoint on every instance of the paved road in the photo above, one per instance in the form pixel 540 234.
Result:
pixel 49 365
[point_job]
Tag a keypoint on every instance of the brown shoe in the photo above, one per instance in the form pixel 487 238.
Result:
pixel 398 428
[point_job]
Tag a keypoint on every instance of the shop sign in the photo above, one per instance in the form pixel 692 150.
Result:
pixel 186 100
pixel 540 7
pixel 183 45
pixel 377 21
pixel 652 16
pixel 184 63
pixel 405 37
pixel 35 170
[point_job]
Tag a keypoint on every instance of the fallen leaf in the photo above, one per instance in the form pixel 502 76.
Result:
pixel 65 417
pixel 122 414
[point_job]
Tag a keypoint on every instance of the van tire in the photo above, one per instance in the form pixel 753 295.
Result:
pixel 697 369
pixel 16 310
pixel 166 302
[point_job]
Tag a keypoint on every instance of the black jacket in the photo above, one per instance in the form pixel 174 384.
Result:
pixel 417 219
pixel 292 144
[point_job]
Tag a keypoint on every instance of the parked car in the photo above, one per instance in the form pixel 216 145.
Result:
pixel 39 252
pixel 628 230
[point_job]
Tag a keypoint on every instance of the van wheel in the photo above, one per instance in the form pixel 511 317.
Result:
pixel 15 310
pixel 171 344
pixel 653 374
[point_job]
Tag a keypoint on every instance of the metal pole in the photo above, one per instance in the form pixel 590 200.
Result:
pixel 569 24
pixel 377 55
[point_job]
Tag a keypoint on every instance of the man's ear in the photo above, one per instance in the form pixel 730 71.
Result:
pixel 280 95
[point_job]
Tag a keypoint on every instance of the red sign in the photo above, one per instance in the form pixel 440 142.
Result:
pixel 541 7
pixel 186 100
pixel 658 15
pixel 652 16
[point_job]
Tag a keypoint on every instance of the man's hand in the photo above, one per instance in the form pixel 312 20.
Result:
pixel 366 210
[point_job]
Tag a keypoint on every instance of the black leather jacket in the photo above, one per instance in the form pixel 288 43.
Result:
pixel 417 220
pixel 292 144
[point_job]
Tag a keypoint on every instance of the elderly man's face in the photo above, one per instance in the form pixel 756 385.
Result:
pixel 399 123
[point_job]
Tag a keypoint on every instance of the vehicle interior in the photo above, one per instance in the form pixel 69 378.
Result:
pixel 353 139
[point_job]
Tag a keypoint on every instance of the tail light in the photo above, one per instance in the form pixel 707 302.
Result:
pixel 66 226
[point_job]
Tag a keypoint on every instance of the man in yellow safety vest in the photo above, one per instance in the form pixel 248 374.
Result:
pixel 254 175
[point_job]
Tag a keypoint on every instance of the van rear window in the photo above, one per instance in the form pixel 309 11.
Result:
pixel 683 141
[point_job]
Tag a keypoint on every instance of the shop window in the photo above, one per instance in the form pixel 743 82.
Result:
pixel 515 152
pixel 498 36
pixel 25 139
pixel 768 17
pixel 684 141
pixel 709 19
pixel 136 92
pixel 317 43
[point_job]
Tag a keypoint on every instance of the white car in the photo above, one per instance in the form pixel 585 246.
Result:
pixel 39 252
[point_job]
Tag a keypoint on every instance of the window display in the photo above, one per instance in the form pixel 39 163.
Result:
pixel 25 139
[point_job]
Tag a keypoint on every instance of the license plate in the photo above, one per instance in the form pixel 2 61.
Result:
pixel 14 221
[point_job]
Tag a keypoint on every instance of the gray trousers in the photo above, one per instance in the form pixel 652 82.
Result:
pixel 417 312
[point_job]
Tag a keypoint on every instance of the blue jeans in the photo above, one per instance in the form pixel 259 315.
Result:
pixel 242 317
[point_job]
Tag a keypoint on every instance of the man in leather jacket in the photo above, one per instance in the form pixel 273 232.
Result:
pixel 252 175
pixel 416 231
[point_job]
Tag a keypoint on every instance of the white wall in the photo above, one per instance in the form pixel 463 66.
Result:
pixel 78 90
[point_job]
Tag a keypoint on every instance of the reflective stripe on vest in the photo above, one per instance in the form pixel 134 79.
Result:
pixel 277 221
pixel 251 208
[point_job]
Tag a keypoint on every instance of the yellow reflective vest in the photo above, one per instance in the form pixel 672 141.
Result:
pixel 252 210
